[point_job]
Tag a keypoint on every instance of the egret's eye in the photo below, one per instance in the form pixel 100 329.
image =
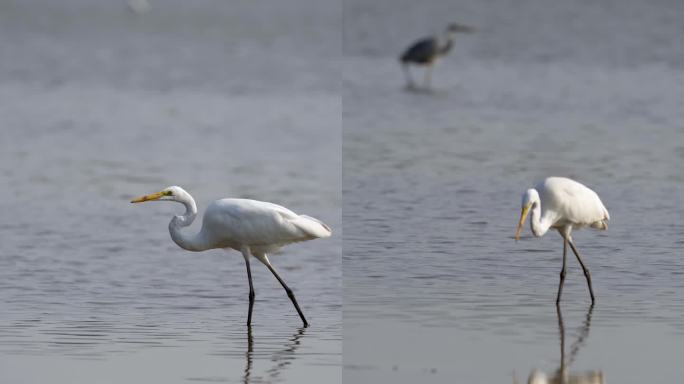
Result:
pixel 168 193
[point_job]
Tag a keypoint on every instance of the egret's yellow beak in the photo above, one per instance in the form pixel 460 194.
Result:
pixel 152 197
pixel 523 216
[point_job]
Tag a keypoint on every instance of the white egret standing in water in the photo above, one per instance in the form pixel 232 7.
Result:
pixel 564 205
pixel 254 228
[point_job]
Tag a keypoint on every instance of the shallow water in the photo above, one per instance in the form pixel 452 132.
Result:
pixel 98 105
pixel 435 288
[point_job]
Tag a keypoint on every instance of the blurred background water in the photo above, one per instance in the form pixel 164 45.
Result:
pixel 99 104
pixel 435 288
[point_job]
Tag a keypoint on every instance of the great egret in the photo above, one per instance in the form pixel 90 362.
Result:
pixel 563 204
pixel 254 228
pixel 425 51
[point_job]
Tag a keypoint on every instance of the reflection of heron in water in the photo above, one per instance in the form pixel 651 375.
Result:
pixel 282 358
pixel 139 6
pixel 562 374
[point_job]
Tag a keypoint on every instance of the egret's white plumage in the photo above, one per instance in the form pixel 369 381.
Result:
pixel 563 204
pixel 264 227
pixel 254 228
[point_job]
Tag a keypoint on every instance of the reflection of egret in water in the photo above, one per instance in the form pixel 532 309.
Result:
pixel 281 358
pixel 562 374
pixel 248 354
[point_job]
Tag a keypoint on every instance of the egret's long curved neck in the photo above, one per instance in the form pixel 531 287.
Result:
pixel 540 225
pixel 184 240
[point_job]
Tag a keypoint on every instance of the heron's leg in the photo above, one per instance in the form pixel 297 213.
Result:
pixel 407 73
pixel 562 272
pixel 428 75
pixel 587 274
pixel 264 259
pixel 245 253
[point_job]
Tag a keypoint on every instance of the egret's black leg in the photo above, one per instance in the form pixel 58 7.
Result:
pixel 289 293
pixel 251 292
pixel 587 274
pixel 562 272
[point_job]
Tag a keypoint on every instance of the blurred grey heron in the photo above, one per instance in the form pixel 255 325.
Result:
pixel 425 51
pixel 139 7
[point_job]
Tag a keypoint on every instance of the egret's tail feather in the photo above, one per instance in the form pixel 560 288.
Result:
pixel 602 225
pixel 312 226
pixel 606 215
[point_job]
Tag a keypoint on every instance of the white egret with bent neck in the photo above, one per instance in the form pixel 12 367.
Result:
pixel 563 204
pixel 254 228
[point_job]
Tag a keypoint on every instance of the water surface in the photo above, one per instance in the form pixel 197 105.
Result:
pixel 436 289
pixel 98 105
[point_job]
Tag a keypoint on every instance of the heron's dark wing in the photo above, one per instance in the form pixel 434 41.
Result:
pixel 421 52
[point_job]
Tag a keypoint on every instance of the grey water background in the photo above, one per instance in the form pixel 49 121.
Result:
pixel 435 288
pixel 98 105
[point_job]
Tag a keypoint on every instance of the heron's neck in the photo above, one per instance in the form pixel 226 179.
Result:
pixel 540 225
pixel 184 240
pixel 445 42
